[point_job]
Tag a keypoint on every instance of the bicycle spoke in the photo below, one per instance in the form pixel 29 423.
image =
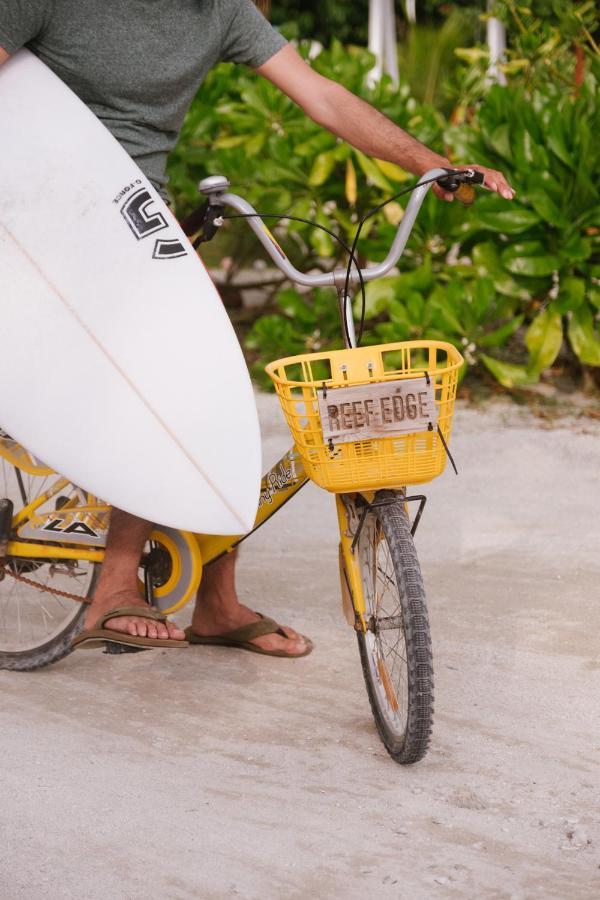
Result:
pixel 402 700
pixel 30 617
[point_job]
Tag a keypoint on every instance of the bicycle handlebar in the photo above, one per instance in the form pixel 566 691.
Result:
pixel 215 188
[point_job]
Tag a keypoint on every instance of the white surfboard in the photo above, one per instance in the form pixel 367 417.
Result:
pixel 118 364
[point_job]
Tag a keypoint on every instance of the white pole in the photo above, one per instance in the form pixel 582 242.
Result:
pixel 376 38
pixel 382 39
pixel 390 47
pixel 496 38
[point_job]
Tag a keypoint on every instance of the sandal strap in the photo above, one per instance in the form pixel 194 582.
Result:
pixel 142 612
pixel 246 633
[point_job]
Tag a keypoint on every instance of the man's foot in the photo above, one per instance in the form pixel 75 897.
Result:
pixel 131 625
pixel 210 620
pixel 117 587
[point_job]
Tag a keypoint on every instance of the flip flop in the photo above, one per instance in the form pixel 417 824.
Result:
pixel 242 637
pixel 99 635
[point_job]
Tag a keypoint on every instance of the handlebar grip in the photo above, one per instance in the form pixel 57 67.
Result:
pixel 466 194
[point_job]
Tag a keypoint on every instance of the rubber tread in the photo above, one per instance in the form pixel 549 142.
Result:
pixel 54 650
pixel 412 746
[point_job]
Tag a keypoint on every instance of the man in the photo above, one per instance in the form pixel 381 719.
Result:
pixel 137 64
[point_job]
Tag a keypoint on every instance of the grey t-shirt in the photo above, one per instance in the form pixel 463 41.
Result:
pixel 137 64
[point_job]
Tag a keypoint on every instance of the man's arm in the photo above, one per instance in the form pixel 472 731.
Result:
pixel 3 56
pixel 359 123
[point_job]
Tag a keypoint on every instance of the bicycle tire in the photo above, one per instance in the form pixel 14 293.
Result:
pixel 58 646
pixel 37 627
pixel 406 737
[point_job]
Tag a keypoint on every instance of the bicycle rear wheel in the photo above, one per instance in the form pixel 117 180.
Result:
pixel 396 649
pixel 37 626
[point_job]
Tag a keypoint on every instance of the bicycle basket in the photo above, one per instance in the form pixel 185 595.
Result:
pixel 379 462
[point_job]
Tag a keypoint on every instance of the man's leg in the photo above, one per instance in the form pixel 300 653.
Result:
pixel 117 585
pixel 218 610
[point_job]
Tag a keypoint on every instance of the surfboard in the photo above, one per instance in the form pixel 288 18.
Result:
pixel 119 366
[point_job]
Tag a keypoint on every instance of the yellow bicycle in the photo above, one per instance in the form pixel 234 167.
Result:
pixel 366 422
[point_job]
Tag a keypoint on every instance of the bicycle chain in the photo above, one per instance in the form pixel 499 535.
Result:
pixel 43 587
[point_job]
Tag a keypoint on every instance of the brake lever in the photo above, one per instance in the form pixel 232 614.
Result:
pixel 460 182
pixel 466 193
pixel 203 222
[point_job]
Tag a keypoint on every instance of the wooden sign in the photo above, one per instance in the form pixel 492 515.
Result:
pixel 381 409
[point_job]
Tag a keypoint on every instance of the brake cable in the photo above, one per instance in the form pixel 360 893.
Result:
pixel 207 223
pixel 459 177
pixel 342 243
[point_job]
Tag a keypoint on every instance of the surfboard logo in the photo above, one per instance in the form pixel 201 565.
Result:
pixel 144 221
pixel 168 249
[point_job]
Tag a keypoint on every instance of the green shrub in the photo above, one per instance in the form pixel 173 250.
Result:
pixel 510 283
pixel 545 243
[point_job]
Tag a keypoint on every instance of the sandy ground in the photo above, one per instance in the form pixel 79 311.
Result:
pixel 214 774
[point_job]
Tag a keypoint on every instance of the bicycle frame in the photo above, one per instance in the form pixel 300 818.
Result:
pixel 359 432
pixel 278 485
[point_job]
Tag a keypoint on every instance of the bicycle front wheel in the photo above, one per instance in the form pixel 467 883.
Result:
pixel 395 651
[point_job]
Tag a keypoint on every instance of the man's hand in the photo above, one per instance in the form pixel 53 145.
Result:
pixel 359 123
pixel 492 180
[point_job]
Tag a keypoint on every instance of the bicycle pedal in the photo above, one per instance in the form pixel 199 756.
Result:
pixel 112 647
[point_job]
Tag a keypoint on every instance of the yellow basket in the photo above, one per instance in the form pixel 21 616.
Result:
pixel 384 462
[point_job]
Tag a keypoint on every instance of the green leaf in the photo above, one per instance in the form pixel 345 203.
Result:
pixel 571 294
pixel 229 140
pixel 557 143
pixel 515 66
pixel 529 259
pixel 487 262
pixel 500 141
pixel 499 336
pixel 483 297
pixel 546 209
pixel 420 279
pixel 508 374
pixel 319 239
pixel 302 207
pixel 508 221
pixel 577 248
pixel 544 339
pixel 315 144
pixel 399 315
pixel 322 168
pixel 522 144
pixel 594 296
pixel 392 171
pixel 472 55
pixel 532 266
pixel 295 307
pixel 254 145
pixel 415 307
pixel 379 294
pixel 374 174
pixel 253 99
pixel 274 335
pixel 388 332
pixel 544 205
pixel 584 336
pixel 442 313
